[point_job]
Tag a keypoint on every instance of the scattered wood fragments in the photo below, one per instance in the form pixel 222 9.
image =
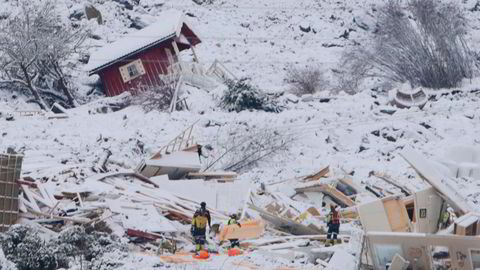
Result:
pixel 338 197
pixel 288 225
pixel 414 230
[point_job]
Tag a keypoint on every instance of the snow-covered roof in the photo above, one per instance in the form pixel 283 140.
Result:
pixel 168 26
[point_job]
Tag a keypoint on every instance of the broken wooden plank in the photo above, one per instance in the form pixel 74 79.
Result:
pixel 30 198
pixel 392 182
pixel 132 174
pixel 247 230
pixel 212 175
pixel 316 176
pixel 142 234
pixel 338 196
pixel 286 224
pixel 72 219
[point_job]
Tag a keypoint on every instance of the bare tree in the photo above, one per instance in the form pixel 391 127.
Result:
pixel 422 43
pixel 34 44
pixel 241 151
pixel 155 97
pixel 307 80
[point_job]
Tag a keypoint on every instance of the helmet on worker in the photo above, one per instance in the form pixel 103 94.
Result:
pixel 203 205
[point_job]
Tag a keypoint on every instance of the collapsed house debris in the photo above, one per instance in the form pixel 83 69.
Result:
pixel 425 251
pixel 176 159
pixel 282 219
pixel 417 232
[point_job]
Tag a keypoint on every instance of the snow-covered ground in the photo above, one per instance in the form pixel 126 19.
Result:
pixel 258 39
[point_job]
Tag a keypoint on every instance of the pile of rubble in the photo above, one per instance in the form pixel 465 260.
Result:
pixel 433 228
pixel 399 227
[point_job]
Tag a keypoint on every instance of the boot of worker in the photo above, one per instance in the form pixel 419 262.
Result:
pixel 327 242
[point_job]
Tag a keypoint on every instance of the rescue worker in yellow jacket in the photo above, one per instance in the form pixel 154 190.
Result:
pixel 445 219
pixel 233 220
pixel 199 226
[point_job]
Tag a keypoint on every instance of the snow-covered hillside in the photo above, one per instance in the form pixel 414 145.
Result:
pixel 257 39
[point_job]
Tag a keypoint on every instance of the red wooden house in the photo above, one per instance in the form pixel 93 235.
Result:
pixel 138 59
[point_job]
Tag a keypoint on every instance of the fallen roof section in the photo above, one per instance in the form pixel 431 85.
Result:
pixel 430 174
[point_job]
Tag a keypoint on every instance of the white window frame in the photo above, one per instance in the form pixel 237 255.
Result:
pixel 124 70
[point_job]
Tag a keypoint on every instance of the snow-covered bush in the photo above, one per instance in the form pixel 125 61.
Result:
pixel 422 43
pixel 307 80
pixel 242 95
pixel 22 245
pixel 86 247
pixel 240 150
pixel 155 98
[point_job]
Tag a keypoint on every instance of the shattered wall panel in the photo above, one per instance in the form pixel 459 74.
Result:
pixel 373 217
pixel 397 215
pixel 10 168
pixel 429 203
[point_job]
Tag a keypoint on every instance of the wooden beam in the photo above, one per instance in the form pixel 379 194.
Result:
pixel 194 54
pixel 133 174
pixel 175 48
pixel 72 219
pixel 318 175
pixel 389 180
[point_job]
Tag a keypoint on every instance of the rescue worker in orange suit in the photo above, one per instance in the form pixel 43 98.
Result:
pixel 199 226
pixel 333 224
pixel 233 220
